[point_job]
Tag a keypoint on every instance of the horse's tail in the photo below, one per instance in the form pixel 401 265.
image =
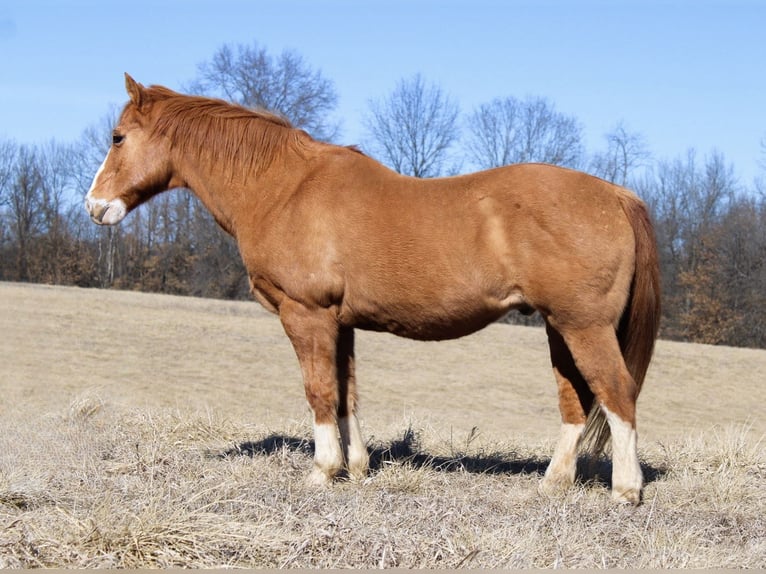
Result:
pixel 640 321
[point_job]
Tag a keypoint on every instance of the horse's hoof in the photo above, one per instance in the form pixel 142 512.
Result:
pixel 550 486
pixel 630 496
pixel 319 478
pixel 358 470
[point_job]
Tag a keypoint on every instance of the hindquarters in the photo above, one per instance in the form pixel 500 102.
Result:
pixel 600 351
pixel 640 321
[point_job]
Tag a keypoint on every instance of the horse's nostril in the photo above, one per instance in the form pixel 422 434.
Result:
pixel 96 210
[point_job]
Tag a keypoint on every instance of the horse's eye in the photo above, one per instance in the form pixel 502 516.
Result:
pixel 117 139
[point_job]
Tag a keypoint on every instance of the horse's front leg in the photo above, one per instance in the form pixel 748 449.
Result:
pixel 314 335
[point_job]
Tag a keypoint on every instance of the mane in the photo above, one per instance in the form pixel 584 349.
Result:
pixel 213 130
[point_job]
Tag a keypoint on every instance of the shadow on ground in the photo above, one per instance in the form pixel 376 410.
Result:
pixel 407 450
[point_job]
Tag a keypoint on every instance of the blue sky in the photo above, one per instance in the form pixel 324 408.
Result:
pixel 684 73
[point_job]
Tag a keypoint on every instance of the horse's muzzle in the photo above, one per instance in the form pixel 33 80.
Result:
pixel 104 212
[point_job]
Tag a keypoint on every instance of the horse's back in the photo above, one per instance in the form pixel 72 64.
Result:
pixel 441 258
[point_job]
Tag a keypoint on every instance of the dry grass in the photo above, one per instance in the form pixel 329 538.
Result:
pixel 149 431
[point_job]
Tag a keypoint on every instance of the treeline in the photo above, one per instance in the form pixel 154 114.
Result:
pixel 711 227
pixel 170 245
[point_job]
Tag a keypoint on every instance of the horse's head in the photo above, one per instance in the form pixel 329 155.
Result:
pixel 137 165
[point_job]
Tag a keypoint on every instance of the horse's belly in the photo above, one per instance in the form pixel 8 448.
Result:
pixel 430 319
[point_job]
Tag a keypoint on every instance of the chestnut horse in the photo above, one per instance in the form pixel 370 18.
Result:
pixel 332 241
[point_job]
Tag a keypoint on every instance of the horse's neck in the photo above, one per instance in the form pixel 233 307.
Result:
pixel 233 201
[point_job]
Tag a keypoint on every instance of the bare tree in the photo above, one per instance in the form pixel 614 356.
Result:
pixel 24 200
pixel 413 128
pixel 8 151
pixel 741 257
pixel 52 257
pixel 510 130
pixel 494 133
pixel 250 76
pixel 689 202
pixel 625 152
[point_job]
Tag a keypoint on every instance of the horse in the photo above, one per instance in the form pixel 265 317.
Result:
pixel 334 241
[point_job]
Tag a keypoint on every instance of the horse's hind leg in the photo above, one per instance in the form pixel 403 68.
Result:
pixel 575 399
pixel 314 335
pixel 354 449
pixel 597 355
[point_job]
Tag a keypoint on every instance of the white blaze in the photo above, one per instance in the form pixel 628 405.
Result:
pixel 98 173
pixel 112 211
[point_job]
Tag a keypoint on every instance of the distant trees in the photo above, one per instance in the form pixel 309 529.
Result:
pixel 626 151
pixel 711 229
pixel 23 198
pixel 510 130
pixel 413 128
pixel 712 242
pixel 37 223
pixel 252 77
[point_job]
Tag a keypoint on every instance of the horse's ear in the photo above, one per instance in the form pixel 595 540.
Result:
pixel 135 90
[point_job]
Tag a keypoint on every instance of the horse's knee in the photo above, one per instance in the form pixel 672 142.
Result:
pixel 598 358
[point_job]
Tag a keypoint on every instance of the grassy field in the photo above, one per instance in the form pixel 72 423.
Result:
pixel 154 431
